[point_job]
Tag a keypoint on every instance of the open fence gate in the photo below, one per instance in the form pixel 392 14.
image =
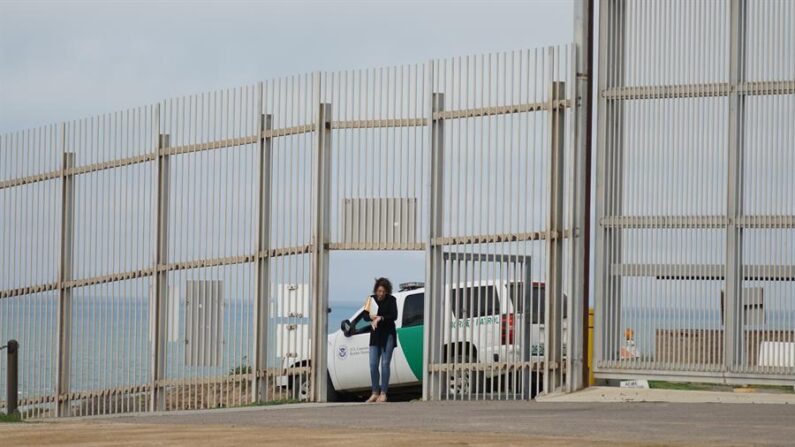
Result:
pixel 501 242
pixel 696 202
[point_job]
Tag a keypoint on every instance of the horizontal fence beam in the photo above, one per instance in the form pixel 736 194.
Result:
pixel 210 145
pixel 458 256
pixel 376 123
pixel 502 110
pixel 769 222
pixel 28 290
pixel 104 279
pixel 121 390
pixel 480 366
pixel 288 131
pixel 142 273
pixel 502 237
pixel 283 132
pixel 34 400
pixel 696 222
pixel 376 246
pixel 767 88
pixel 203 263
pixel 633 222
pixel 94 167
pixel 699 90
pixel 707 272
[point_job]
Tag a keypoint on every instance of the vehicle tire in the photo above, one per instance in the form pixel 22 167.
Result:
pixel 460 384
pixel 305 388
pixel 331 393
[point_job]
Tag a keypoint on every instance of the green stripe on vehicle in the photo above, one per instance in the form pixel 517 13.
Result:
pixel 410 340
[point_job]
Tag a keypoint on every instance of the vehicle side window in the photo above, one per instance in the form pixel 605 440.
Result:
pixel 538 303
pixel 413 310
pixel 361 325
pixel 472 302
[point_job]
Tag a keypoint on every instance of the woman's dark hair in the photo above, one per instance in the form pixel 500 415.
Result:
pixel 385 283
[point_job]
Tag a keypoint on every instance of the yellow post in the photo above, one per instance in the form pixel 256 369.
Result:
pixel 591 380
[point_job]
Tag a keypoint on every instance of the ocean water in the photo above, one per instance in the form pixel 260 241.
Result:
pixel 111 345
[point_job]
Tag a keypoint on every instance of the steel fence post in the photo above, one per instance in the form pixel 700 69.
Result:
pixel 581 218
pixel 554 293
pixel 62 385
pixel 262 301
pixel 733 340
pixel 434 298
pixel 158 325
pixel 321 194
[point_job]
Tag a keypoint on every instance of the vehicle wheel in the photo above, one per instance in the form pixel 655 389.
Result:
pixel 304 392
pixel 460 383
pixel 331 393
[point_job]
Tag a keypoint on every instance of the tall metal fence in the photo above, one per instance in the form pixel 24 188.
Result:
pixel 501 261
pixel 175 256
pixel 696 197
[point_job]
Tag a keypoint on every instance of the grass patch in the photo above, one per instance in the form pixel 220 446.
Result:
pixel 242 369
pixel 690 386
pixel 10 418
pixel 782 389
pixel 686 386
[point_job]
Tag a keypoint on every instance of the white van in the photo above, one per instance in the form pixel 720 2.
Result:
pixel 481 326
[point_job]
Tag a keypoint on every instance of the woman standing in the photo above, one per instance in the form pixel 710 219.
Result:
pixel 383 338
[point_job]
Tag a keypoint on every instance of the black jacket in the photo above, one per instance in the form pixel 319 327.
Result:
pixel 387 309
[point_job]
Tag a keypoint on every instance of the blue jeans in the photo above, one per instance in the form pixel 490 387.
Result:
pixel 385 356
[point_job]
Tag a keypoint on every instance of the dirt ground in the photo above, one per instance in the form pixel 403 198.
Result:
pixel 483 423
pixel 126 434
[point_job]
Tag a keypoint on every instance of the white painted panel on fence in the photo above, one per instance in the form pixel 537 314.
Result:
pixel 290 300
pixel 204 311
pixel 292 340
pixel 777 353
pixel 379 220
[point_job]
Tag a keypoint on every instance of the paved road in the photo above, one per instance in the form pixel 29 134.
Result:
pixel 664 423
pixel 429 423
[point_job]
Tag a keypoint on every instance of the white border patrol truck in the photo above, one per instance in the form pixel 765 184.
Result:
pixel 482 324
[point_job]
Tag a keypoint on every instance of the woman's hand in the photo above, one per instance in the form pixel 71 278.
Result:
pixel 374 322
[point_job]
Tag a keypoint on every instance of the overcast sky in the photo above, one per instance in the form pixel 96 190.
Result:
pixel 66 60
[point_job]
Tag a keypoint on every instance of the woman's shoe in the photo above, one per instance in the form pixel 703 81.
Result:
pixel 372 398
pixel 381 398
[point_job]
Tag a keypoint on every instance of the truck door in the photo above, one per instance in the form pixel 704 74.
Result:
pixel 352 355
pixel 408 355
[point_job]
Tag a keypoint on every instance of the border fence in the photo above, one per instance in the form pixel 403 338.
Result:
pixel 696 151
pixel 175 256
